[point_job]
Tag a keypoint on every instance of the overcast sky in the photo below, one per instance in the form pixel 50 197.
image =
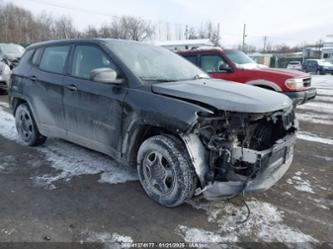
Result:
pixel 283 21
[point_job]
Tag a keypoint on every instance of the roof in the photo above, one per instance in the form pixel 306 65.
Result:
pixel 93 40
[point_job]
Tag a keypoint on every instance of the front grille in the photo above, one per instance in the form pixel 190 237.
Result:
pixel 306 82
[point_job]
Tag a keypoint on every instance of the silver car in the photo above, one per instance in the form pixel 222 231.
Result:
pixel 9 55
pixel 295 65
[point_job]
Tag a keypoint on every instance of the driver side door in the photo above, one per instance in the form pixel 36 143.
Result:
pixel 93 110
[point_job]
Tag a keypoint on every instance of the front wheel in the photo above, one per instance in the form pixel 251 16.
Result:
pixel 26 126
pixel 165 170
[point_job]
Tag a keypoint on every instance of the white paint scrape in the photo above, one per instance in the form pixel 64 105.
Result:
pixel 70 160
pixel 264 225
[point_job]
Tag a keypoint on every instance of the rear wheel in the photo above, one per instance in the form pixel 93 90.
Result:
pixel 165 170
pixel 26 126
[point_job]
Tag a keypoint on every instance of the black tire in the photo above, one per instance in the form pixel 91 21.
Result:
pixel 165 170
pixel 26 126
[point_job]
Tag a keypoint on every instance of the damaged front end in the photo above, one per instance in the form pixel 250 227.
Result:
pixel 240 152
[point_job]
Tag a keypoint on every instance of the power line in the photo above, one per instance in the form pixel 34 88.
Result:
pixel 67 7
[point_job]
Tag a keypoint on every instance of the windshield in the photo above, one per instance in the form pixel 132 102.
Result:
pixel 294 63
pixel 12 50
pixel 238 57
pixel 155 64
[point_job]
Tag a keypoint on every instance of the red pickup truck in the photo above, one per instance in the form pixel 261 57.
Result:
pixel 234 65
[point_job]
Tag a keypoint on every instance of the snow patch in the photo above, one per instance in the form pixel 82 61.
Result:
pixel 308 136
pixel 327 92
pixel 326 158
pixel 114 241
pixel 315 118
pixel 4 104
pixel 70 160
pixel 265 223
pixel 317 107
pixel 300 184
pixel 202 236
pixel 324 98
pixel 7 125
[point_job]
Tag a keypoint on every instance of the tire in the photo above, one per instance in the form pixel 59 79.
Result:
pixel 165 170
pixel 26 126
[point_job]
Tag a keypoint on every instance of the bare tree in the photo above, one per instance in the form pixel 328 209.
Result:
pixel 64 28
pixel 131 28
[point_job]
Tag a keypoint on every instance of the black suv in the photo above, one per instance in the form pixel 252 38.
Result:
pixel 145 106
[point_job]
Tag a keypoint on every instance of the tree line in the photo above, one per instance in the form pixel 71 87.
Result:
pixel 19 25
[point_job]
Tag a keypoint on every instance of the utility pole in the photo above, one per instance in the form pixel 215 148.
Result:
pixel 265 43
pixel 244 36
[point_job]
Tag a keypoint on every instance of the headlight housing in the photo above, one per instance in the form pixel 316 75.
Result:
pixel 294 83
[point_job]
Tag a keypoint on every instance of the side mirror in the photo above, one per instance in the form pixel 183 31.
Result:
pixel 105 75
pixel 225 68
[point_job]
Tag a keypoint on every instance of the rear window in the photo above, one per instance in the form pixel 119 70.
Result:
pixel 54 59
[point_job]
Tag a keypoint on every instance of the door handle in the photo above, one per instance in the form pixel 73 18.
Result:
pixel 71 88
pixel 33 78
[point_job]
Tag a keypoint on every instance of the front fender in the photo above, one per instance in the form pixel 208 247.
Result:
pixel 145 109
pixel 265 83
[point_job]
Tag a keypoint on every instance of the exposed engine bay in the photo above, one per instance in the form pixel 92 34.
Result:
pixel 237 148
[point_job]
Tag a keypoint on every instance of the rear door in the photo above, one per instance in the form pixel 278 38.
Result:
pixel 93 110
pixel 47 90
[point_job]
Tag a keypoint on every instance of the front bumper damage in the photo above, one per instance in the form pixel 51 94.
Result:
pixel 272 164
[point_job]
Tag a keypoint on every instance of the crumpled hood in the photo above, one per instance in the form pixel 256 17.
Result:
pixel 225 95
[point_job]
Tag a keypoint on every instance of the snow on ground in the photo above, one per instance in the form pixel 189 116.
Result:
pixel 70 160
pixel 308 136
pixel 3 104
pixel 113 241
pixel 322 107
pixel 300 184
pixel 265 224
pixel 326 158
pixel 319 110
pixel 315 118
pixel 7 125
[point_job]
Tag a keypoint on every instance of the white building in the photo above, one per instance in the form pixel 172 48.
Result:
pixel 327 50
pixel 179 45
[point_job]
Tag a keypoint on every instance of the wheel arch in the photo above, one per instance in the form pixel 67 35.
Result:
pixel 132 143
pixel 265 84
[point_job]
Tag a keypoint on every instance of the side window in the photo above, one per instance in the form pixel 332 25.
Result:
pixel 26 57
pixel 214 63
pixel 54 59
pixel 36 56
pixel 325 56
pixel 191 58
pixel 87 58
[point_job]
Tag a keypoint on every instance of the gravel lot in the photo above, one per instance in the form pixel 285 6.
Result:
pixel 61 192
